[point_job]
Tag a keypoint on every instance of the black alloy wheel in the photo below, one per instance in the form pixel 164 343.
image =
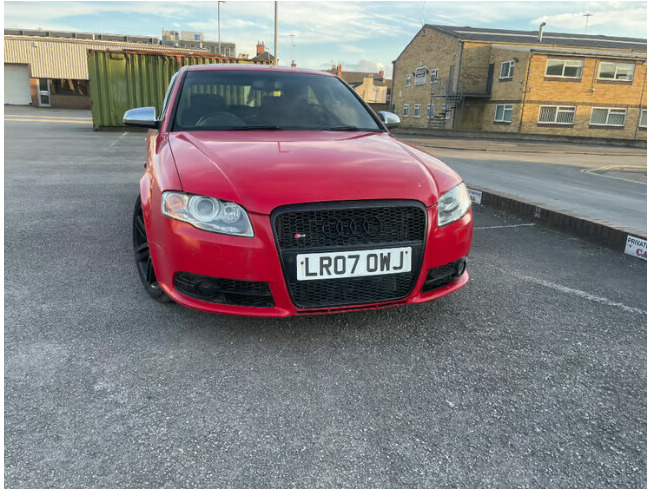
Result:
pixel 143 260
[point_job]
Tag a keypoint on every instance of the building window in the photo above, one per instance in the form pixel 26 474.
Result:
pixel 507 70
pixel 434 75
pixel 503 113
pixel 564 68
pixel 416 110
pixel 616 71
pixel 601 116
pixel 405 111
pixel 431 111
pixel 643 122
pixel 555 114
pixel 421 75
pixel 408 80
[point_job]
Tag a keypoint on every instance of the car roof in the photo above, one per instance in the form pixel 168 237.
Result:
pixel 251 67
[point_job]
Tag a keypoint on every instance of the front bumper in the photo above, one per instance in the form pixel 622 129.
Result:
pixel 178 247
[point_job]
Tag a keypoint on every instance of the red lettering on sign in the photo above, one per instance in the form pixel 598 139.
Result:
pixel 642 253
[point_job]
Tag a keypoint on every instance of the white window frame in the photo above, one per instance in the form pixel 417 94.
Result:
pixel 509 107
pixel 609 111
pixel 600 64
pixel 405 110
pixel 582 67
pixel 420 75
pixel 408 80
pixel 557 112
pixel 431 111
pixel 511 70
pixel 641 118
pixel 433 75
pixel 416 110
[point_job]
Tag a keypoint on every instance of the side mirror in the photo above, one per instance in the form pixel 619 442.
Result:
pixel 142 116
pixel 389 119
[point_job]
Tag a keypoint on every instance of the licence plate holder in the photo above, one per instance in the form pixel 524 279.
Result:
pixel 353 263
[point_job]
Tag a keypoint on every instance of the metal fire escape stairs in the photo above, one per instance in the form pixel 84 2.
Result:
pixel 445 102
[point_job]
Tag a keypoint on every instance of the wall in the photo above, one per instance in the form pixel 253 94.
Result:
pixel 428 48
pixel 584 94
pixel 474 68
pixel 71 101
pixel 33 90
pixel 67 58
pixel 505 90
pixel 371 92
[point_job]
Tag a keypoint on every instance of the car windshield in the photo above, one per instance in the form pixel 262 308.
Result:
pixel 230 100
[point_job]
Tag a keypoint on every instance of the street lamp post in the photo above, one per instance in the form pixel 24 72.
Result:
pixel 275 49
pixel 219 25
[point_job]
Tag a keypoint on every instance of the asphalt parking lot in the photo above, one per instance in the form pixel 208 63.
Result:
pixel 533 375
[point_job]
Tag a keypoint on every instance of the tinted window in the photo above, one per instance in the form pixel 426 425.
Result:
pixel 172 82
pixel 240 100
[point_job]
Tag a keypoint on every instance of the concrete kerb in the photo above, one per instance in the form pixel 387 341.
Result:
pixel 528 150
pixel 506 137
pixel 600 232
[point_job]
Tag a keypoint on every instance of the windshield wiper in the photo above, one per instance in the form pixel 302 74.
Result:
pixel 350 128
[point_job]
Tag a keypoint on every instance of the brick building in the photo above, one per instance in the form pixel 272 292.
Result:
pixel 522 82
pixel 374 88
pixel 261 54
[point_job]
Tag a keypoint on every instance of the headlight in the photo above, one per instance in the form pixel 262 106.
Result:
pixel 207 213
pixel 453 204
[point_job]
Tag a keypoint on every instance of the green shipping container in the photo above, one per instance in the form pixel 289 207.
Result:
pixel 123 80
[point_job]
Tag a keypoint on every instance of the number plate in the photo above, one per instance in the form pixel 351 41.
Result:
pixel 357 263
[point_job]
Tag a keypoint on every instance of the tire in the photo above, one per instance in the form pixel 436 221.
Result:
pixel 143 261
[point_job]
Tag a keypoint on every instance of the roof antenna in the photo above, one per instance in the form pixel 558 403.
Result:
pixel 586 16
pixel 541 31
pixel 423 4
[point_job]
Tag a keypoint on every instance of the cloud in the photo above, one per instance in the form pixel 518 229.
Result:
pixel 624 22
pixel 364 65
pixel 359 34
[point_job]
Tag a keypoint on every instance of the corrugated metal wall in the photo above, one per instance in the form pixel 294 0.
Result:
pixel 60 57
pixel 124 80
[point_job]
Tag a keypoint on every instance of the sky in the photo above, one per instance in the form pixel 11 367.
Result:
pixel 362 36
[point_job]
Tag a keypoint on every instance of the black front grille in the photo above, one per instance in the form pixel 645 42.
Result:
pixel 316 228
pixel 224 291
pixel 332 227
pixel 355 290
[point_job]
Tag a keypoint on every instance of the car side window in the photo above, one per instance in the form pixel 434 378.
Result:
pixel 170 88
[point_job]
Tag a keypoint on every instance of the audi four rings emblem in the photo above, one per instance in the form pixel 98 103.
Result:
pixel 351 227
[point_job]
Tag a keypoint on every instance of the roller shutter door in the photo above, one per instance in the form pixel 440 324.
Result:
pixel 17 84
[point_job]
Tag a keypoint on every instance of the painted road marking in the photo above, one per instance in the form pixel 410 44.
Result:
pixel 116 140
pixel 503 226
pixel 67 121
pixel 48 116
pixel 579 293
pixel 594 171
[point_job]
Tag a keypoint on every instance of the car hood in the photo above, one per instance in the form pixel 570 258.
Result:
pixel 265 169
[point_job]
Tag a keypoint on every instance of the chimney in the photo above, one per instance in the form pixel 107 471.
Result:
pixel 381 74
pixel 260 47
pixel 339 70
pixel 293 64
pixel 541 31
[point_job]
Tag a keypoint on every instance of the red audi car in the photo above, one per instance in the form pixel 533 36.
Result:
pixel 272 191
